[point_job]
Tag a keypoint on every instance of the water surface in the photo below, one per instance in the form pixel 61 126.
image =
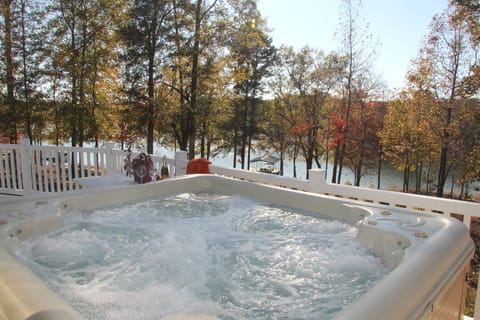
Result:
pixel 228 256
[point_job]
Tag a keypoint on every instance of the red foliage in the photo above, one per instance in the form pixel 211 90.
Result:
pixel 336 129
pixel 301 129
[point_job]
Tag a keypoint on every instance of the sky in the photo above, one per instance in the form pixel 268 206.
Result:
pixel 399 25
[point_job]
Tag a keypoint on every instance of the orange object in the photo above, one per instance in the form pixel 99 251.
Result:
pixel 199 165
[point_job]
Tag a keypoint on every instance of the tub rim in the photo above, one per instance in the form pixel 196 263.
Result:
pixel 410 271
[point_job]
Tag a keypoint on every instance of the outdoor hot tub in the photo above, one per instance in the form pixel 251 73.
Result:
pixel 426 256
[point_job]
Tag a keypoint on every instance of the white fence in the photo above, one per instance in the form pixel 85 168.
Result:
pixel 460 209
pixel 27 169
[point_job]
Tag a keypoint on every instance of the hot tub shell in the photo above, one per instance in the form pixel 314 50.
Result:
pixel 429 253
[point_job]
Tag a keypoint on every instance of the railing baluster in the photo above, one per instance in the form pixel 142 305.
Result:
pixel 51 170
pixel 3 152
pixel 39 168
pixel 103 163
pixel 16 174
pixel 8 169
pixel 65 167
pixel 58 160
pixel 71 168
pixel 32 165
pixel 36 171
pixel 48 169
pixel 25 175
pixel 43 165
pixel 17 179
pixel 95 157
pixel 25 151
pixel 89 165
pixel 79 163
pixel 85 163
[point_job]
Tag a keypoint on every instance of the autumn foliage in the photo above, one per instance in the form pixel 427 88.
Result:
pixel 204 76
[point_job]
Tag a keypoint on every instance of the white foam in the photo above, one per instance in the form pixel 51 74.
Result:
pixel 204 254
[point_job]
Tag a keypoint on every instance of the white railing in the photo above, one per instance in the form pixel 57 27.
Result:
pixel 27 169
pixel 317 184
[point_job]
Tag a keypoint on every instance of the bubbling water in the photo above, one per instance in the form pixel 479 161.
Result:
pixel 228 256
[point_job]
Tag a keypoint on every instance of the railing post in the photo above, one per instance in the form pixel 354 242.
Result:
pixel 181 160
pixel 26 162
pixel 467 220
pixel 476 312
pixel 316 180
pixel 110 158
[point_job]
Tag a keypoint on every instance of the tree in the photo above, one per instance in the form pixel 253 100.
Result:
pixel 145 36
pixel 67 24
pixel 304 87
pixel 408 137
pixel 200 15
pixel 358 50
pixel 252 55
pixel 23 34
pixel 55 94
pixel 195 33
pixel 467 13
pixel 82 59
pixel 214 106
pixel 363 145
pixel 275 129
pixel 468 147
pixel 31 30
pixel 8 59
pixel 448 57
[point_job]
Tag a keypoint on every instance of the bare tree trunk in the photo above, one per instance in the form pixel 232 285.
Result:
pixel 193 88
pixel 151 96
pixel 295 151
pixel 235 138
pixel 442 170
pixel 26 90
pixel 335 164
pixel 203 139
pixel 9 69
pixel 427 182
pixel 379 167
pixel 282 146
pixel 245 130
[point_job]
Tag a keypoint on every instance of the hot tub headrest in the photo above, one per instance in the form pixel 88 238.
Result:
pixel 199 165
